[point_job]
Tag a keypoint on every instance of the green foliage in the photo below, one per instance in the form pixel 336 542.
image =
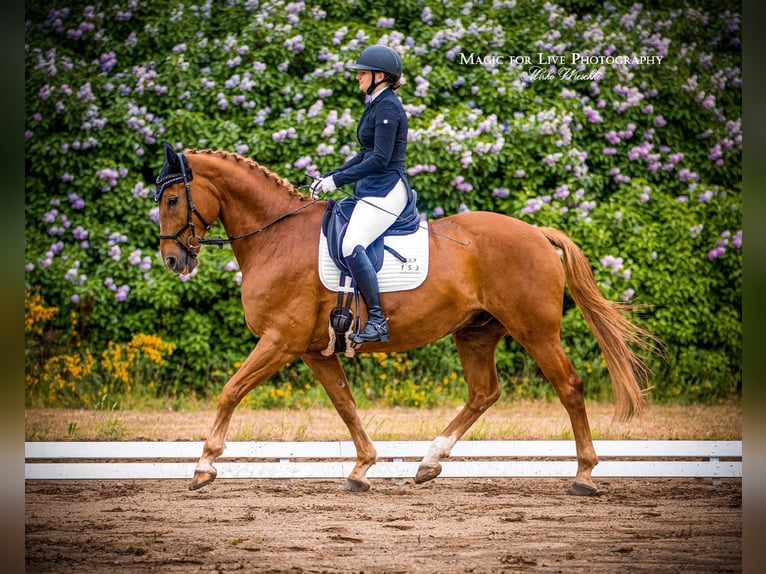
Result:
pixel 640 166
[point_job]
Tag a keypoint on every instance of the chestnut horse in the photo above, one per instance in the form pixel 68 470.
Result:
pixel 490 276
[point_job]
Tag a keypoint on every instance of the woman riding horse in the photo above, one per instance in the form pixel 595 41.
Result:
pixel 381 188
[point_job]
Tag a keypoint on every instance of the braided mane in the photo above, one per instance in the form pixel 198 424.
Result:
pixel 280 181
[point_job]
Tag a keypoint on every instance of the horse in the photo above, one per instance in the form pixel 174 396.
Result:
pixel 490 276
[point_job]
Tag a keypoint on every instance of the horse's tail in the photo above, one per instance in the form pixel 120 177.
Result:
pixel 615 333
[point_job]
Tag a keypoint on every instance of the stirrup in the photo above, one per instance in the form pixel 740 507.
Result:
pixel 373 332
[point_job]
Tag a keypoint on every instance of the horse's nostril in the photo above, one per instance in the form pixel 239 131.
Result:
pixel 170 262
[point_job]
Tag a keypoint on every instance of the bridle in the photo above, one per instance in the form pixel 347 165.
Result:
pixel 194 241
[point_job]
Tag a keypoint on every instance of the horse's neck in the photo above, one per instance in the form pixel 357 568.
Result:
pixel 251 200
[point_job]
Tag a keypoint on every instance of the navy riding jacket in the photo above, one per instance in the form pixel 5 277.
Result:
pixel 382 135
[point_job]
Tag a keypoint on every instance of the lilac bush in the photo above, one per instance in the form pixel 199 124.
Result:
pixel 619 124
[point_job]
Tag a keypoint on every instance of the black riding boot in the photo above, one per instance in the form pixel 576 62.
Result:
pixel 376 328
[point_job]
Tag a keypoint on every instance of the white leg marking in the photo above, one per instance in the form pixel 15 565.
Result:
pixel 440 448
pixel 204 465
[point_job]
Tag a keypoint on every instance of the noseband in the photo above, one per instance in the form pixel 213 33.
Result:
pixel 193 243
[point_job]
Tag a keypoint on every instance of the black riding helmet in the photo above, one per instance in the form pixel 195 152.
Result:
pixel 379 59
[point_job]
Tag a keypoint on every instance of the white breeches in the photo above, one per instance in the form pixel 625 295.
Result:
pixel 372 216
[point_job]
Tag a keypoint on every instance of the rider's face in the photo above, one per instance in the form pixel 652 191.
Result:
pixel 364 78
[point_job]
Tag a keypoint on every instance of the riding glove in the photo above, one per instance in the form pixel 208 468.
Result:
pixel 322 185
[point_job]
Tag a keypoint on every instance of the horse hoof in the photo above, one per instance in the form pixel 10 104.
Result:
pixel 582 489
pixel 202 478
pixel 427 472
pixel 356 485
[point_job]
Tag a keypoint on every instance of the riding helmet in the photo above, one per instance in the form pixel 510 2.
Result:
pixel 379 59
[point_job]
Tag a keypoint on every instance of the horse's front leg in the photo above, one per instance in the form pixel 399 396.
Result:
pixel 330 373
pixel 264 360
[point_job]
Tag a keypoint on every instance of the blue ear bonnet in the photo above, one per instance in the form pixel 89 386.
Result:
pixel 175 170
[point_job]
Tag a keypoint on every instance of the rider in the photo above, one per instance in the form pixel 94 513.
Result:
pixel 381 188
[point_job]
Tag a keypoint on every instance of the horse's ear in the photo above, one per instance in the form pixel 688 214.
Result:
pixel 171 157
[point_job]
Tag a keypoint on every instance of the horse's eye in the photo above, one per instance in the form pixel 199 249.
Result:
pixel 172 200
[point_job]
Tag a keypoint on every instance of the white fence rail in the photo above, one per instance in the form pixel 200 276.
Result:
pixel 396 459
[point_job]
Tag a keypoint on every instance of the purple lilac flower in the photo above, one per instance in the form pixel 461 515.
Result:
pixel 80 233
pixel 135 257
pixel 500 192
pixel 295 43
pixel 324 149
pixel 108 61
pixel 460 183
pixel 716 252
pixel 122 293
pixel 612 262
pixel 627 295
pixel 612 137
pixel 50 216
pixel 645 194
pixel 706 196
pixel 76 201
pixel 533 205
pixel 414 170
pixel 686 175
pixel 302 162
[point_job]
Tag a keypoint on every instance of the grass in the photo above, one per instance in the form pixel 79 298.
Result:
pixel 526 420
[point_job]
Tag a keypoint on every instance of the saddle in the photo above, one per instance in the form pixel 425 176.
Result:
pixel 334 225
pixel 335 222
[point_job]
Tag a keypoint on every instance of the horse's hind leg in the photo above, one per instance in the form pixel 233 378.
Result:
pixel 476 348
pixel 557 368
pixel 330 373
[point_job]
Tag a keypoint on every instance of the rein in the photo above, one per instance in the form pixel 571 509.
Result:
pixel 195 241
pixel 221 241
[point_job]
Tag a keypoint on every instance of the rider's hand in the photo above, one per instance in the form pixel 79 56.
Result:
pixel 322 185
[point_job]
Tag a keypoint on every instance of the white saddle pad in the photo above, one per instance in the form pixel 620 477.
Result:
pixel 394 275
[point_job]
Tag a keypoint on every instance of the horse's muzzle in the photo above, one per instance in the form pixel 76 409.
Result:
pixel 180 263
